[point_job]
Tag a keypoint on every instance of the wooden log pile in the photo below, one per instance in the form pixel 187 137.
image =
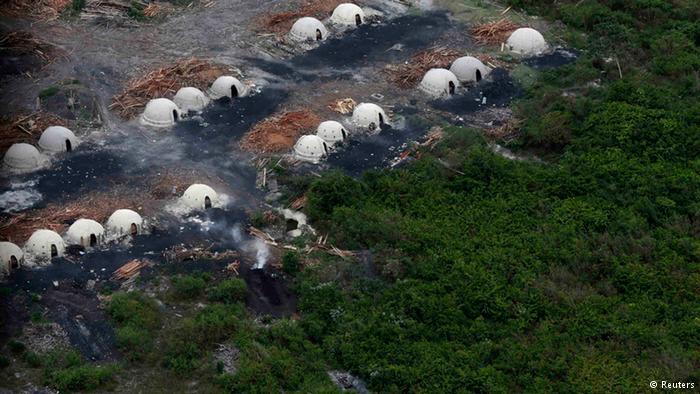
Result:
pixel 130 269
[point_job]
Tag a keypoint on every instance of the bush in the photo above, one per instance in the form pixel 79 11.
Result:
pixel 136 317
pixel 77 6
pixel 191 340
pixel 136 341
pixel 32 359
pixel 333 190
pixel 65 370
pixel 188 287
pixel 229 291
pixel 290 263
pixel 136 11
pixel 81 378
pixel 133 309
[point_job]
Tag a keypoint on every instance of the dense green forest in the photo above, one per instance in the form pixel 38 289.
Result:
pixel 580 273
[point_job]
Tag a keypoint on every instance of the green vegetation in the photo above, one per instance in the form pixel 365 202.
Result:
pixel 49 92
pixel 136 11
pixel 229 291
pixel 278 359
pixel 136 318
pixel 580 274
pixel 77 6
pixel 189 343
pixel 291 263
pixel 273 357
pixel 67 371
pixel 190 286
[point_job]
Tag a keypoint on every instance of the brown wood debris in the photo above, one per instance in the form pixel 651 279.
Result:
pixel 493 32
pixel 280 132
pixel 165 82
pixel 343 106
pixel 130 269
pixel 409 74
pixel 280 22
pixel 181 253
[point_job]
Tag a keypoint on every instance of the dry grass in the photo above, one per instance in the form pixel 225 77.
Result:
pixel 97 206
pixel 157 8
pixel 45 10
pixel 493 32
pixel 408 75
pixel 491 61
pixel 343 106
pixel 506 131
pixel 165 82
pixel 26 128
pixel 279 132
pixel 281 22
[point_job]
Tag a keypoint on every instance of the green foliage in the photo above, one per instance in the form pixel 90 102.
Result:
pixel 257 219
pixel 77 6
pixel 67 371
pixel 278 360
pixel 49 92
pixel 578 274
pixel 32 359
pixel 189 287
pixel 188 343
pixel 333 190
pixel 291 263
pixel 133 309
pixel 136 317
pixel 83 378
pixel 229 291
pixel 136 11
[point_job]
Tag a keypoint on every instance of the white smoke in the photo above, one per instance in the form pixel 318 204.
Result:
pixel 237 233
pixel 262 255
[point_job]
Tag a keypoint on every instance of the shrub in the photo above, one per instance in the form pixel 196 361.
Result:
pixel 136 11
pixel 65 370
pixel 77 6
pixel 83 378
pixel 290 263
pixel 32 359
pixel 229 291
pixel 133 309
pixel 187 344
pixel 333 190
pixel 136 317
pixel 188 287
